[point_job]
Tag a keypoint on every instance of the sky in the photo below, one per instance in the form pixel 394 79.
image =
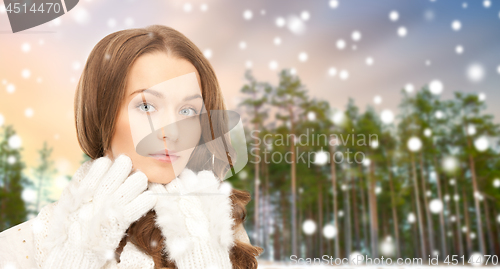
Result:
pixel 368 50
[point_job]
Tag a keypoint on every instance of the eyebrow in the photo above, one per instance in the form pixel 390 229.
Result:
pixel 160 95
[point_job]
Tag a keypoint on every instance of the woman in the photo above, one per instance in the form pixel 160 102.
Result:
pixel 126 198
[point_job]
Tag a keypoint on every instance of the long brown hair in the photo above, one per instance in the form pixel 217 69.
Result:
pixel 98 98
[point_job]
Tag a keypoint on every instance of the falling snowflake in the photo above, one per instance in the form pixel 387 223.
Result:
pixel 459 49
pixel 15 142
pixel 409 87
pixel 304 15
pixel 243 175
pixel 26 73
pixel 475 72
pixel 414 143
pixel 402 32
pixel 411 217
pixel 277 41
pixel 247 14
pixel 436 206
pixel 344 74
pixel 487 3
pixel 273 65
pixel 332 71
pixel 29 195
pixel 436 87
pixel 11 160
pixel 320 158
pixel 303 57
pixel 28 112
pixel 207 53
pixel 295 25
pixel 280 22
pixel 369 61
pixel 377 99
pixel 111 23
pixel 129 22
pixel 80 15
pixel 76 65
pixel 11 88
pixel 203 7
pixel 427 132
pixel 450 164
pixel 341 44
pixel 338 117
pixel 26 47
pixel 481 143
pixel 309 227
pixel 334 4
pixel 387 116
pixel 456 25
pixel 471 129
pixel 356 36
pixel 439 114
pixel 248 64
pixel 329 231
pixel 393 15
pixel 243 45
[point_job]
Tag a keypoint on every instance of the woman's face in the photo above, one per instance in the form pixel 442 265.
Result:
pixel 170 108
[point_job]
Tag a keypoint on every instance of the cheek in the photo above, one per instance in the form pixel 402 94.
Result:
pixel 122 139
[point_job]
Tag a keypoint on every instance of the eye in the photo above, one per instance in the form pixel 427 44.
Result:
pixel 145 107
pixel 187 112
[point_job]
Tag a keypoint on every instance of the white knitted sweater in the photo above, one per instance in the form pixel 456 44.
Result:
pixel 204 236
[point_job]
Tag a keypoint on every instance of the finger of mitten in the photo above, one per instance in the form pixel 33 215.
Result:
pixel 115 176
pixel 131 188
pixel 140 206
pixel 97 171
pixel 157 188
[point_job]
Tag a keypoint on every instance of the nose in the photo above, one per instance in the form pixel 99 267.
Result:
pixel 169 131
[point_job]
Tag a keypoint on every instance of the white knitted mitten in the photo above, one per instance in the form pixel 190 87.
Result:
pixel 93 213
pixel 194 215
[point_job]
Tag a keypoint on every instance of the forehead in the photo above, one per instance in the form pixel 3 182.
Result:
pixel 153 68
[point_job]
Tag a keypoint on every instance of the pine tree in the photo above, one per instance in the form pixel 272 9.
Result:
pixel 12 181
pixel 43 176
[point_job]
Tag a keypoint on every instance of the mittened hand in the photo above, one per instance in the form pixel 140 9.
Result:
pixel 94 211
pixel 194 215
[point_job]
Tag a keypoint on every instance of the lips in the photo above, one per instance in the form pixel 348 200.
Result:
pixel 167 156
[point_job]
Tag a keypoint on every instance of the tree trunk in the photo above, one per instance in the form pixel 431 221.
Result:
pixel 363 207
pixel 334 192
pixel 444 251
pixel 467 223
pixel 488 225
pixel 373 211
pixel 256 189
pixel 394 212
pixel 430 227
pixel 459 222
pixel 476 198
pixel 294 195
pixel 355 214
pixel 347 218
pixel 419 212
